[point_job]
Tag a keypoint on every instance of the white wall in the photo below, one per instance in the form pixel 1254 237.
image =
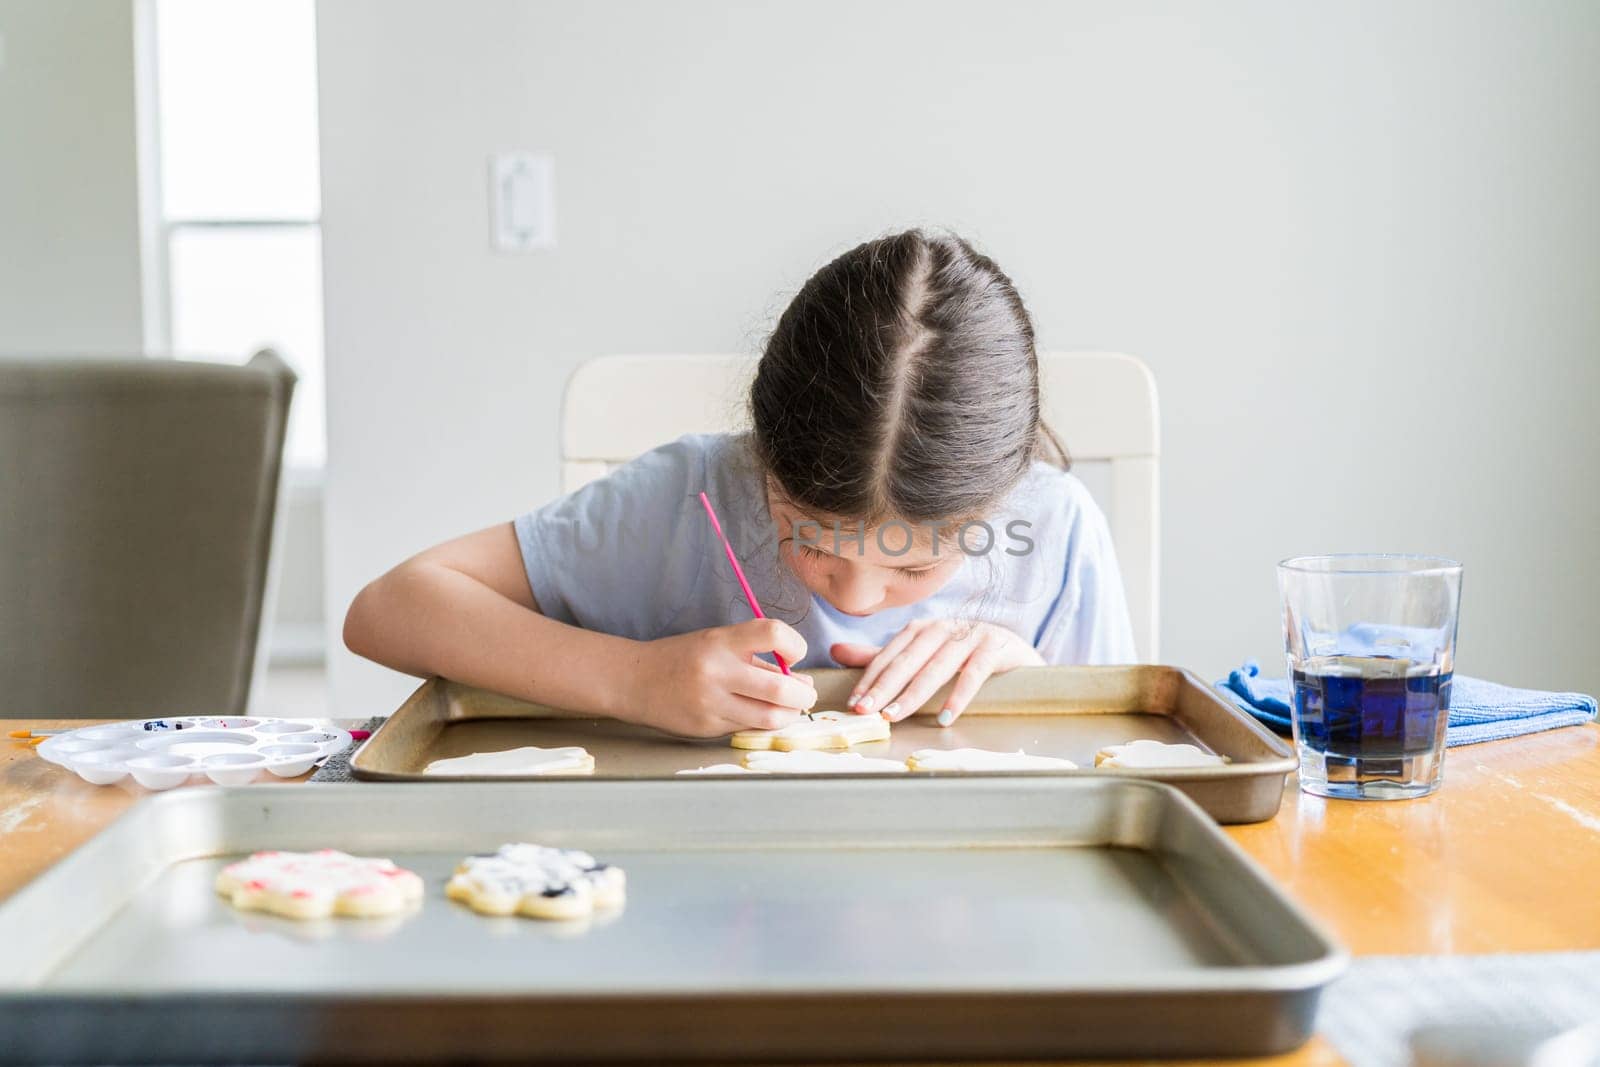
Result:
pixel 1358 244
pixel 298 632
pixel 69 190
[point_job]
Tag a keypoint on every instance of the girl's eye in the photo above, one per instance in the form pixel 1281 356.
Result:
pixel 813 553
pixel 920 575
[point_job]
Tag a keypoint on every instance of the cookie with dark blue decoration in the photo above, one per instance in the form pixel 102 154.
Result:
pixel 539 882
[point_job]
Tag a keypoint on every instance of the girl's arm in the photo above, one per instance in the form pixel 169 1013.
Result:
pixel 464 610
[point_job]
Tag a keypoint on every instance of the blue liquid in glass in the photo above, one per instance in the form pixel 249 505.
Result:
pixel 1370 708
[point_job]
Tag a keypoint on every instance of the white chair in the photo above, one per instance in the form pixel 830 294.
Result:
pixel 1102 405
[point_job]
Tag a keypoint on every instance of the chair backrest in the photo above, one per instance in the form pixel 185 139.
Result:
pixel 1102 405
pixel 137 501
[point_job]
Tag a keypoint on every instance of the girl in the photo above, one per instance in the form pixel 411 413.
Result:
pixel 897 503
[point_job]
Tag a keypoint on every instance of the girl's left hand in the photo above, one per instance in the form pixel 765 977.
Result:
pixel 900 677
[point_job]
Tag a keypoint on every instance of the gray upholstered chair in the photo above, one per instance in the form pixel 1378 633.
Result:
pixel 137 502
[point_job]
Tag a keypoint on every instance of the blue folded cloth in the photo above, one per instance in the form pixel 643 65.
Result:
pixel 1479 710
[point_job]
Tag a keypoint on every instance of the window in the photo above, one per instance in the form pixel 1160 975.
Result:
pixel 231 136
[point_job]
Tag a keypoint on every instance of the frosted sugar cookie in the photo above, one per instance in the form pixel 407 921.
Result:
pixel 982 759
pixel 820 763
pixel 540 882
pixel 825 729
pixel 517 761
pixel 720 768
pixel 1147 754
pixel 315 885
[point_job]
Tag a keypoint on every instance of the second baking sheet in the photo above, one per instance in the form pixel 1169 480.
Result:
pixel 847 920
pixel 1070 712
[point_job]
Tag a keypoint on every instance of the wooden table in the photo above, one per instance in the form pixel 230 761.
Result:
pixel 1505 858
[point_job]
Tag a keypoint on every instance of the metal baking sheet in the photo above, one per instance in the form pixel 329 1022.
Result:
pixel 1052 711
pixel 804 920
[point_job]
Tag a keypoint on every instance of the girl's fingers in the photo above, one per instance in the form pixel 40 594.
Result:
pixel 765 717
pixel 978 668
pixel 742 713
pixel 770 687
pixel 940 668
pixel 884 693
pixel 848 655
pixel 734 714
pixel 768 665
pixel 863 699
pixel 770 635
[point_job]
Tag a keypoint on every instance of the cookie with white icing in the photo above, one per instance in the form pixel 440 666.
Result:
pixel 517 762
pixel 315 885
pixel 719 769
pixel 982 759
pixel 537 881
pixel 1150 755
pixel 823 730
pixel 812 762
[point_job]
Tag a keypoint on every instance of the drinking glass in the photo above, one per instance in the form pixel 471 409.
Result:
pixel 1371 647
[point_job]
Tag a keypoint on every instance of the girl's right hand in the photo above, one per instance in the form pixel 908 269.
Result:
pixel 707 683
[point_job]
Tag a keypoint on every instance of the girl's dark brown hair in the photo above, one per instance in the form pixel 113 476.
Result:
pixel 901 383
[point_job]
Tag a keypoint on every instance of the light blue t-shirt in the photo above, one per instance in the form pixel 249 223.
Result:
pixel 634 555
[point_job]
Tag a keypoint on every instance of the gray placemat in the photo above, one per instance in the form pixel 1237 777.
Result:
pixel 1370 1014
pixel 336 768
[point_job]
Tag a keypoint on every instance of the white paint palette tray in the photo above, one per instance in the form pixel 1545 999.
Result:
pixel 163 753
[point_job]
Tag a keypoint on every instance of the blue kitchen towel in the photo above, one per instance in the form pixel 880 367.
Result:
pixel 1479 710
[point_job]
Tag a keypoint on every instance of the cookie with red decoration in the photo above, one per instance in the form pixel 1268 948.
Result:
pixel 315 885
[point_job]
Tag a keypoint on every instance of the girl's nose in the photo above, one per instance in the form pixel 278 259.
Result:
pixel 855 595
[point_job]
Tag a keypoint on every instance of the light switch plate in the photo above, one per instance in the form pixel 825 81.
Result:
pixel 522 201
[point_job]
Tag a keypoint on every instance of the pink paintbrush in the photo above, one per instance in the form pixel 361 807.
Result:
pixel 738 571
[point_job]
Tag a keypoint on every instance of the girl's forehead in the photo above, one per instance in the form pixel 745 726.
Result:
pixel 893 542
pixel 784 507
